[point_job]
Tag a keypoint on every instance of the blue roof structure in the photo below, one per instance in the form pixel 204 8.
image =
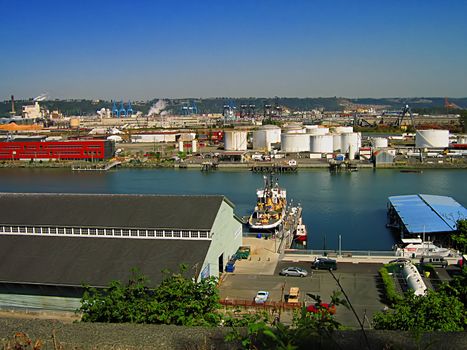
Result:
pixel 428 213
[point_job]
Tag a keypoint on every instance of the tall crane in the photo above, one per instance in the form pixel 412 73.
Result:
pixel 405 110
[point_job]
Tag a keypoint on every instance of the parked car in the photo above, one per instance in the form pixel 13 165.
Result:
pixel 294 271
pixel 436 261
pixel 294 295
pixel 400 261
pixel 261 297
pixel 324 264
pixel 323 306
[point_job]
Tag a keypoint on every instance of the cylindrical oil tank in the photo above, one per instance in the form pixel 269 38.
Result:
pixel 462 139
pixel 194 146
pixel 309 127
pixel 235 140
pixel 432 138
pixel 295 142
pixel 343 129
pixel 349 140
pixel 351 152
pixel 265 136
pixel 336 142
pixel 318 131
pixel 379 142
pixel 294 128
pixel 321 144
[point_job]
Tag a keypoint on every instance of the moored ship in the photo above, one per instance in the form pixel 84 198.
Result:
pixel 415 248
pixel 270 206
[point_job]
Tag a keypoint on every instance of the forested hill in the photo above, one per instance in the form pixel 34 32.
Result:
pixel 215 105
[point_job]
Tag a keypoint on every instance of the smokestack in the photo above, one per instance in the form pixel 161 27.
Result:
pixel 13 105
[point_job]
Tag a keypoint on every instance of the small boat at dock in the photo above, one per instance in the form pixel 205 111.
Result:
pixel 301 234
pixel 415 248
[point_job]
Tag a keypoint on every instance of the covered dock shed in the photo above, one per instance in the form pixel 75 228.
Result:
pixel 415 215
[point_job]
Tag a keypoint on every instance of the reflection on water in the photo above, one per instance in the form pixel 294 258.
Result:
pixel 352 205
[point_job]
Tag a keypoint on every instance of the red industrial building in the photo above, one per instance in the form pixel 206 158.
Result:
pixel 56 150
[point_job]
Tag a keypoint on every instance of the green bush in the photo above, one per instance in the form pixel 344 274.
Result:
pixel 392 296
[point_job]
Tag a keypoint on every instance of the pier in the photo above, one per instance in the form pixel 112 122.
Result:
pixel 208 166
pixel 336 166
pixel 273 167
pixel 97 168
pixel 286 234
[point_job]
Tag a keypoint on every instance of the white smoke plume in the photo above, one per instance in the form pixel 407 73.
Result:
pixel 158 107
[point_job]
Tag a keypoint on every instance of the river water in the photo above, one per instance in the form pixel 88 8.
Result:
pixel 352 205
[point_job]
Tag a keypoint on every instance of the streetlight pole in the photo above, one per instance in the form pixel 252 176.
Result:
pixel 340 245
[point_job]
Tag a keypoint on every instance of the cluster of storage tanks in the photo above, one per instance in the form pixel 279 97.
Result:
pixel 296 138
pixel 316 139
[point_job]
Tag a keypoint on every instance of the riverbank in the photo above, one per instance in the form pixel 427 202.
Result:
pixel 221 165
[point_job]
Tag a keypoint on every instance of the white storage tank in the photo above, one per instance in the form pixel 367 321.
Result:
pixel 265 136
pixel 318 131
pixel 462 139
pixel 336 142
pixel 321 143
pixel 343 129
pixel 432 138
pixel 414 279
pixel 294 128
pixel 309 127
pixel 235 140
pixel 295 142
pixel 349 141
pixel 379 142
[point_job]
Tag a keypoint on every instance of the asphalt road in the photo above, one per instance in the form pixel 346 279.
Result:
pixel 360 281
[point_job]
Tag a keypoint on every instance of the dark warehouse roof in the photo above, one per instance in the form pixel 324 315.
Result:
pixel 72 261
pixel 110 210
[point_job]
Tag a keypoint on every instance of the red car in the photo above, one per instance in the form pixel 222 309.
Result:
pixel 314 309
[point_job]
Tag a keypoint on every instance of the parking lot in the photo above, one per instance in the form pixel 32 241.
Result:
pixel 360 281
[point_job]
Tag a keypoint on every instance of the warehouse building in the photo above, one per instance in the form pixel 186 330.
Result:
pixel 52 244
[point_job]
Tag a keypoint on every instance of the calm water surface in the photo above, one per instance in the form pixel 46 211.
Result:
pixel 350 204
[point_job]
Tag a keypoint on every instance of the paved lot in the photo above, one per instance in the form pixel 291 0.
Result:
pixel 360 282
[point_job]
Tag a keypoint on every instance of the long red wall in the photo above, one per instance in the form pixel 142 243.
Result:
pixel 53 150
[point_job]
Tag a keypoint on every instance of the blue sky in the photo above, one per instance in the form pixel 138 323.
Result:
pixel 238 48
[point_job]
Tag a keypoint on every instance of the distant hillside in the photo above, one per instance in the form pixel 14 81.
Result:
pixel 215 105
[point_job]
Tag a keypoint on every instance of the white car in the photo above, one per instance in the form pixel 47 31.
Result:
pixel 261 297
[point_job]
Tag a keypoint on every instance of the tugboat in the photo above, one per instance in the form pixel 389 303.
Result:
pixel 270 206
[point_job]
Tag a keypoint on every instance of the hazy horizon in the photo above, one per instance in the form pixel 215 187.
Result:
pixel 142 49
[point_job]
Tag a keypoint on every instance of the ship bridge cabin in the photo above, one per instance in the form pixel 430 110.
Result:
pixel 52 244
